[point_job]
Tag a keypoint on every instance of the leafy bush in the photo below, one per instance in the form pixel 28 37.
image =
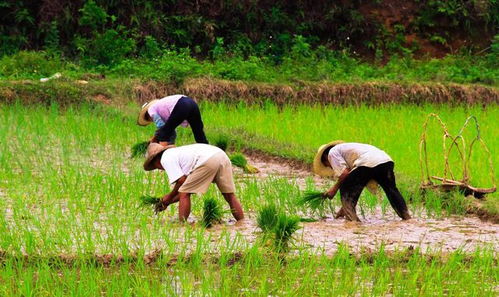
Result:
pixel 26 64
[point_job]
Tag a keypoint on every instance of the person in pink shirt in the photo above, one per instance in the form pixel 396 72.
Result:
pixel 170 112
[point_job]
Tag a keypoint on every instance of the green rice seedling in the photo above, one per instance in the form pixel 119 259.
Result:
pixel 283 231
pixel 147 200
pixel 139 149
pixel 267 218
pixel 314 200
pixel 212 213
pixel 240 161
pixel 222 142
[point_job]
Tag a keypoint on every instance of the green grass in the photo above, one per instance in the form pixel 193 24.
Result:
pixel 212 212
pixel 297 131
pixel 404 273
pixel 267 217
pixel 69 191
pixel 139 149
pixel 147 200
pixel 331 66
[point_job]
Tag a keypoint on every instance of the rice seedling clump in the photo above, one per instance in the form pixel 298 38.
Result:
pixel 240 161
pixel 147 200
pixel 314 200
pixel 267 218
pixel 139 149
pixel 284 229
pixel 212 212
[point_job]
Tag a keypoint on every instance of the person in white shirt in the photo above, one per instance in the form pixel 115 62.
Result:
pixel 191 169
pixel 354 165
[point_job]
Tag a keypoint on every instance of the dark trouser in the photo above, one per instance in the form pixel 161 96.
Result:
pixel 352 187
pixel 185 109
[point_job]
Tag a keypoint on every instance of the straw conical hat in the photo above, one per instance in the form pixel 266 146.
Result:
pixel 318 167
pixel 141 120
pixel 152 151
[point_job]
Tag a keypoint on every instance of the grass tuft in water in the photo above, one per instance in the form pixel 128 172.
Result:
pixel 284 229
pixel 267 218
pixel 212 213
pixel 139 149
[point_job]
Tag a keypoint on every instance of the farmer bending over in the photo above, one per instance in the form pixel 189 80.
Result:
pixel 170 112
pixel 192 168
pixel 354 165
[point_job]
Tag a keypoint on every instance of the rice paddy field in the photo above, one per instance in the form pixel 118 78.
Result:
pixel 72 222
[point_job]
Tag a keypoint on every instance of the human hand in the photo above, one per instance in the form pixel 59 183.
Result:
pixel 161 205
pixel 153 139
pixel 329 194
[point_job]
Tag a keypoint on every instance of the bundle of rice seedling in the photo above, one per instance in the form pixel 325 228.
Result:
pixel 312 199
pixel 284 229
pixel 139 149
pixel 240 161
pixel 147 200
pixel 212 213
pixel 267 218
pixel 222 142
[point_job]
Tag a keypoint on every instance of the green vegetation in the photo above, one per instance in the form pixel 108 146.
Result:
pixel 283 231
pixel 212 213
pixel 273 77
pixel 147 200
pixel 267 217
pixel 252 273
pixel 239 160
pixel 69 195
pixel 317 65
pixel 312 199
pixel 139 149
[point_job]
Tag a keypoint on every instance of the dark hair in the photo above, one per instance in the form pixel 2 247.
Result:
pixel 325 153
pixel 158 156
pixel 147 116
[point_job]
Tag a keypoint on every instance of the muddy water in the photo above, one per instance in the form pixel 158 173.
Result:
pixel 428 233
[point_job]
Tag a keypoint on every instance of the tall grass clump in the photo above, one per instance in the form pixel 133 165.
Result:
pixel 139 149
pixel 240 161
pixel 222 142
pixel 267 218
pixel 212 212
pixel 283 231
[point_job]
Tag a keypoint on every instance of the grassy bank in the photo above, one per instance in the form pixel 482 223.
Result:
pixel 66 91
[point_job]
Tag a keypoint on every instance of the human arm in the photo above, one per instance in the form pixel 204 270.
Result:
pixel 171 197
pixel 334 189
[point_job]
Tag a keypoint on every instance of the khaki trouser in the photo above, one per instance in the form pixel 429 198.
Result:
pixel 217 169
